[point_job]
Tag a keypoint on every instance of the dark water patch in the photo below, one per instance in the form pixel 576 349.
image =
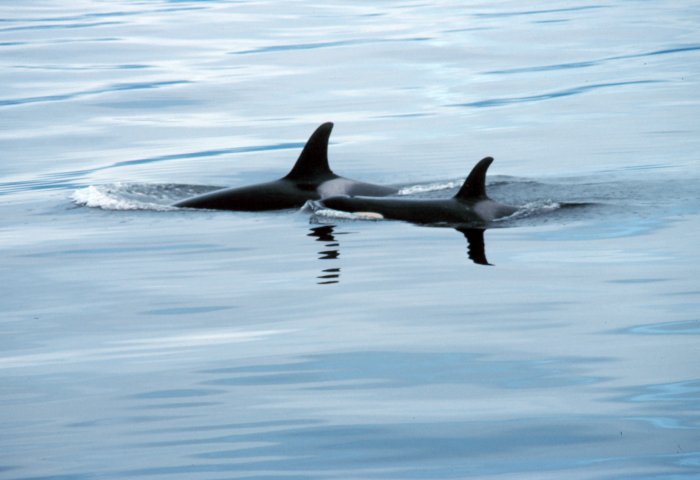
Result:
pixel 58 41
pixel 177 393
pixel 73 18
pixel 405 115
pixel 404 369
pixel 497 102
pixel 405 450
pixel 87 68
pixel 60 26
pixel 137 420
pixel 690 293
pixel 682 394
pixel 468 29
pixel 68 476
pixel 99 15
pixel 235 433
pixel 176 406
pixel 665 51
pixel 520 13
pixel 551 21
pixel 264 425
pixel 643 167
pixel 186 310
pixel 319 45
pixel 681 422
pixel 636 281
pixel 686 327
pixel 395 450
pixel 153 104
pixel 545 68
pixel 690 462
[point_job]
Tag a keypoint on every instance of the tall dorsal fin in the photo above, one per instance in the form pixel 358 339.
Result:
pixel 474 186
pixel 313 160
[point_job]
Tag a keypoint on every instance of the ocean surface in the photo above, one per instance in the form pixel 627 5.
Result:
pixel 141 341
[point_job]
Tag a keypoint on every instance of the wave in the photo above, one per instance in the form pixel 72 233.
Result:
pixel 73 178
pixel 596 62
pixel 338 43
pixel 496 102
pixel 116 87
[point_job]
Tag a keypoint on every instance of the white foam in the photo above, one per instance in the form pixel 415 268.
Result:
pixel 337 214
pixel 429 187
pixel 532 208
pixel 321 212
pixel 113 197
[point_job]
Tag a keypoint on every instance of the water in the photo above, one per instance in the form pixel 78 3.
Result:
pixel 140 341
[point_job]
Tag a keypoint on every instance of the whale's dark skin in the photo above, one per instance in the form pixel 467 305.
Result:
pixel 470 206
pixel 310 179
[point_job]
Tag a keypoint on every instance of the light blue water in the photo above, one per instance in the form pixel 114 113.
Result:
pixel 141 342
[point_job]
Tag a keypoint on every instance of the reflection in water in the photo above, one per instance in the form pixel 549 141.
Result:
pixel 325 234
pixel 476 249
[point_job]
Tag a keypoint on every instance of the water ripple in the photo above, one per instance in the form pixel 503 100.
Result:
pixel 58 26
pixel 94 15
pixel 401 369
pixel 339 43
pixel 117 87
pixel 686 327
pixel 539 12
pixel 72 179
pixel 591 63
pixel 496 102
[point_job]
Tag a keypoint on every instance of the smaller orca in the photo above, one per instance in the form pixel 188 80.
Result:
pixel 310 179
pixel 470 206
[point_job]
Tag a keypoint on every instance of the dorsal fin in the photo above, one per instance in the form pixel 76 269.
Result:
pixel 313 160
pixel 474 186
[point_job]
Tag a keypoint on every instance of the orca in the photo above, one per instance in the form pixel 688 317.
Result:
pixel 469 207
pixel 310 179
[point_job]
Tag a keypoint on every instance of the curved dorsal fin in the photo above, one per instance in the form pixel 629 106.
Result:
pixel 474 186
pixel 313 160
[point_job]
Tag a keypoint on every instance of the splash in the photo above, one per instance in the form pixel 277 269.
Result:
pixel 429 187
pixel 532 209
pixel 135 196
pixel 320 213
pixel 113 197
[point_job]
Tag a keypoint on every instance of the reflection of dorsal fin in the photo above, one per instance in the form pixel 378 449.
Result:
pixel 313 160
pixel 475 245
pixel 475 185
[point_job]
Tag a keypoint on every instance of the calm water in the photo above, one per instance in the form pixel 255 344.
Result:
pixel 142 342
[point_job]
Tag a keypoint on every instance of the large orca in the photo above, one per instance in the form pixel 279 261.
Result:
pixel 469 207
pixel 310 179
